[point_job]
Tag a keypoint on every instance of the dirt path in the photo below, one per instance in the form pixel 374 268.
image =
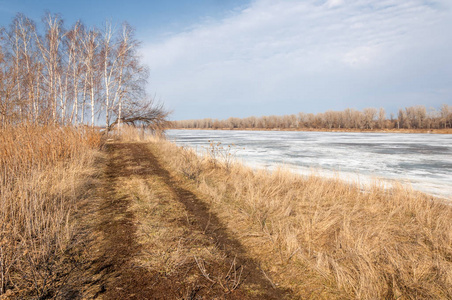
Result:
pixel 112 271
pixel 107 269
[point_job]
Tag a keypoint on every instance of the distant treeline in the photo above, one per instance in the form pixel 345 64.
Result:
pixel 414 117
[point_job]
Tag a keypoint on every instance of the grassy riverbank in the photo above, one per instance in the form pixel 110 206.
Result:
pixel 324 238
pixel 192 226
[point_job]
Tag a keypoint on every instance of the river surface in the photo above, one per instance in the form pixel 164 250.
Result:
pixel 423 161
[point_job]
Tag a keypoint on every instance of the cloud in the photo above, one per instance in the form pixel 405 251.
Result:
pixel 362 56
pixel 289 56
pixel 334 3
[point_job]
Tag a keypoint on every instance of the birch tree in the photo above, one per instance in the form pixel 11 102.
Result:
pixel 5 82
pixel 108 68
pixel 63 76
pixel 49 47
pixel 74 68
pixel 92 67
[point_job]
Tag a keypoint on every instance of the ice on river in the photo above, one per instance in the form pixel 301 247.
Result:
pixel 422 160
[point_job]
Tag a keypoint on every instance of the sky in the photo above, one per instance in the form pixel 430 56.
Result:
pixel 231 58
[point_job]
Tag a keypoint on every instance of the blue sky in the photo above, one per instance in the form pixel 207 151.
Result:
pixel 222 58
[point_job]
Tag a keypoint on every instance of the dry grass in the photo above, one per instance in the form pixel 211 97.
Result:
pixel 184 259
pixel 42 171
pixel 168 245
pixel 325 238
pixel 127 133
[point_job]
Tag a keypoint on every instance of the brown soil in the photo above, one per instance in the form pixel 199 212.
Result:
pixel 108 267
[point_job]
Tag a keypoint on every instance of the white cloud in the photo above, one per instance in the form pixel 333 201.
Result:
pixel 362 56
pixel 284 54
pixel 334 3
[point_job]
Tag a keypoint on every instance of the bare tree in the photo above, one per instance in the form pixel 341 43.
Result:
pixel 130 74
pixel 446 115
pixel 61 76
pixel 143 113
pixel 421 115
pixel 109 65
pixel 369 117
pixel 5 84
pixel 25 31
pixel 381 118
pixel 49 47
pixel 329 118
pixel 403 121
pixel 91 62
pixel 74 68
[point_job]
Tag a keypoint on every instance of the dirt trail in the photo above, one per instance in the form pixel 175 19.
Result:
pixel 107 269
pixel 112 271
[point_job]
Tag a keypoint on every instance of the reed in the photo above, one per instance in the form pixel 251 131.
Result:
pixel 42 170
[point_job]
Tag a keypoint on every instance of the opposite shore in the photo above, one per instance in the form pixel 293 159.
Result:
pixel 402 130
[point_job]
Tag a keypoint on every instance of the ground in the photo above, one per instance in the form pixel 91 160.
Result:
pixel 149 237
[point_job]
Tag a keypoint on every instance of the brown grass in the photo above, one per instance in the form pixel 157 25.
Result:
pixel 42 171
pixel 179 242
pixel 325 238
pixel 170 248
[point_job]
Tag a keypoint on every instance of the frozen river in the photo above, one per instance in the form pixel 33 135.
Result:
pixel 422 160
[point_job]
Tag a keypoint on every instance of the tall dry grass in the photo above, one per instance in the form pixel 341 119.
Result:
pixel 128 133
pixel 41 172
pixel 325 238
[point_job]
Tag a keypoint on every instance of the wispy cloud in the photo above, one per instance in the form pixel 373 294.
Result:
pixel 290 56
